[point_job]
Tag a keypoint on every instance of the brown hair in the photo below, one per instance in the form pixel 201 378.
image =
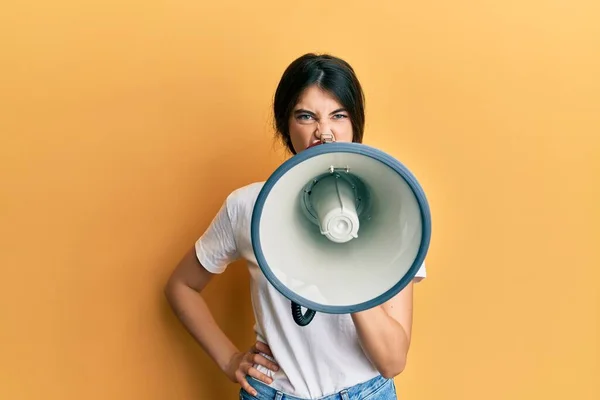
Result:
pixel 329 73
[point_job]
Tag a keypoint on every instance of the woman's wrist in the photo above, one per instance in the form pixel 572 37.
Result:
pixel 227 356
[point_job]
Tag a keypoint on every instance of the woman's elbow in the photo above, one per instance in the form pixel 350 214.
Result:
pixel 170 289
pixel 393 368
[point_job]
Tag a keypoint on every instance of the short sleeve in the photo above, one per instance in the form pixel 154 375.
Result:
pixel 216 248
pixel 421 273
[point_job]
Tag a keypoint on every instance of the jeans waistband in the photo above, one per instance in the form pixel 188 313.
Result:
pixel 358 391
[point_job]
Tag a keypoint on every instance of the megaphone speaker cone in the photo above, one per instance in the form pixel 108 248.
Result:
pixel 340 228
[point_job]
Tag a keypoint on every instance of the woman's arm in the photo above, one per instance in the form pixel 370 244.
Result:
pixel 384 332
pixel 183 294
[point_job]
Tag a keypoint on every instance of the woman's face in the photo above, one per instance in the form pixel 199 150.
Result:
pixel 316 112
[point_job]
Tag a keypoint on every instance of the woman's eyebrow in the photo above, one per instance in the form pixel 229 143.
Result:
pixel 303 111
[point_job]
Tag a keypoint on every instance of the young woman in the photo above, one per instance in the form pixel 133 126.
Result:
pixel 336 356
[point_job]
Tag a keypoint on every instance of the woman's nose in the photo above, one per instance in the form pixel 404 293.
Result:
pixel 324 135
pixel 322 127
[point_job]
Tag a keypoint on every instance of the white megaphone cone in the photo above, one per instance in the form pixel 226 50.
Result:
pixel 340 228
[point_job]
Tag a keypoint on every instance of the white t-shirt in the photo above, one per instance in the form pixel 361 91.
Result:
pixel 316 360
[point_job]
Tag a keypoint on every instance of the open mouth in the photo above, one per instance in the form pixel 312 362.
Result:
pixel 315 143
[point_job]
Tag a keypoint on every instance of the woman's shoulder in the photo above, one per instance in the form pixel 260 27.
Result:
pixel 241 200
pixel 245 194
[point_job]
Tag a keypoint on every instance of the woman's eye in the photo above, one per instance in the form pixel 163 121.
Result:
pixel 340 116
pixel 304 117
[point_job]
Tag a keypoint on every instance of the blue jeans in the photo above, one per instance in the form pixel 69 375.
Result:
pixel 378 388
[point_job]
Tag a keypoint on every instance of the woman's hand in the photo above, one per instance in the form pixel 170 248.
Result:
pixel 242 364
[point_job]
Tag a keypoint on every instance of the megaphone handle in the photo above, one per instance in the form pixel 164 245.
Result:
pixel 302 319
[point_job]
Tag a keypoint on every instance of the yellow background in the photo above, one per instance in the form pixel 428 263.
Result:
pixel 124 124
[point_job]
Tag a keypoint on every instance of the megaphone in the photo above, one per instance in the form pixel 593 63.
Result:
pixel 340 228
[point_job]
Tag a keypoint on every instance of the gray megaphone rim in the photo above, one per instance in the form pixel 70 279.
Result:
pixel 356 148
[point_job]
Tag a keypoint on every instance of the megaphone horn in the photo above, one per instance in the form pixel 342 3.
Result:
pixel 340 228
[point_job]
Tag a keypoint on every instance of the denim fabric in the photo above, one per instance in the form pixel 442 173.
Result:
pixel 378 388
